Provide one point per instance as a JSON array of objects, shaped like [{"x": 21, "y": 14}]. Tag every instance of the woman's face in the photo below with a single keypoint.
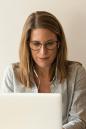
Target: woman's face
[{"x": 41, "y": 39}]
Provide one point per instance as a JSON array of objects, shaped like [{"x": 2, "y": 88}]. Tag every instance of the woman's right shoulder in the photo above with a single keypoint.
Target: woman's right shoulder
[
  {"x": 8, "y": 78},
  {"x": 9, "y": 72},
  {"x": 9, "y": 69}
]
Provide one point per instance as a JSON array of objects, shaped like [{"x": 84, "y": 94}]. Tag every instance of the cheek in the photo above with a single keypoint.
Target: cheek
[
  {"x": 33, "y": 53},
  {"x": 54, "y": 53}
]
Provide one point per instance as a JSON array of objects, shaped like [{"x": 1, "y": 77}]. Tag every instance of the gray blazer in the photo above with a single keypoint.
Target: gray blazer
[{"x": 73, "y": 91}]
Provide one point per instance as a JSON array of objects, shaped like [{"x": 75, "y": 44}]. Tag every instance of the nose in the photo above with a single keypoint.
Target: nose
[{"x": 43, "y": 50}]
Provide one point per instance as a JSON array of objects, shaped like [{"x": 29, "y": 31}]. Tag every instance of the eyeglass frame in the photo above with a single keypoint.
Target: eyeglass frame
[{"x": 44, "y": 44}]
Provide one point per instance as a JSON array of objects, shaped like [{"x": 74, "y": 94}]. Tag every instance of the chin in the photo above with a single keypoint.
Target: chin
[{"x": 43, "y": 65}]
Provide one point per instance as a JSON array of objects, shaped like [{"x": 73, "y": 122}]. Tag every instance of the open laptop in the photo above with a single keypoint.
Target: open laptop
[{"x": 30, "y": 111}]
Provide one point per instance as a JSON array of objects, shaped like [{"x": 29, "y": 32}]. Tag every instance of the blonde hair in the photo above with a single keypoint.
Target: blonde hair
[{"x": 40, "y": 19}]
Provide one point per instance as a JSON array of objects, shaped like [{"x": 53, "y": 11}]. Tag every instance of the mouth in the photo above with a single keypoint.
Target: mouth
[{"x": 44, "y": 58}]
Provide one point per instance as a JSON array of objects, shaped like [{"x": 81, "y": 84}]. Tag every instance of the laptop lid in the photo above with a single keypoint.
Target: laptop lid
[{"x": 30, "y": 111}]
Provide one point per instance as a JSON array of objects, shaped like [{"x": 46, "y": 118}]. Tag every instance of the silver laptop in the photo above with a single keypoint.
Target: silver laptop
[{"x": 30, "y": 111}]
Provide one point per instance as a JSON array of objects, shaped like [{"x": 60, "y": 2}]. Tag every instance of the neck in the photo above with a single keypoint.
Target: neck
[{"x": 43, "y": 72}]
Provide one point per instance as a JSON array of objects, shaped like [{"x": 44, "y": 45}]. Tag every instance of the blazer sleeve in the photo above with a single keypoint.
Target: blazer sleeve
[
  {"x": 77, "y": 113},
  {"x": 7, "y": 80}
]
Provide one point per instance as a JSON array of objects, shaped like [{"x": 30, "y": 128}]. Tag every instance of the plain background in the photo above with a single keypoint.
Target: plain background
[{"x": 13, "y": 14}]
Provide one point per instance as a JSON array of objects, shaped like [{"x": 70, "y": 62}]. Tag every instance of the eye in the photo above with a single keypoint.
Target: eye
[
  {"x": 49, "y": 43},
  {"x": 35, "y": 43}
]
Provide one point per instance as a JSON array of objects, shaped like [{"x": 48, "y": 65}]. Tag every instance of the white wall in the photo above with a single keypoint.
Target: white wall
[{"x": 13, "y": 13}]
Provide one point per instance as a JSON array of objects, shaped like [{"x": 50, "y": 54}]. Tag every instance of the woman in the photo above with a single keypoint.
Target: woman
[{"x": 44, "y": 67}]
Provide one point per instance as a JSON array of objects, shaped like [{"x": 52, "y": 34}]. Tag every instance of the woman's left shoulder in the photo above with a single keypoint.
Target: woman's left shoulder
[
  {"x": 73, "y": 65},
  {"x": 76, "y": 69}
]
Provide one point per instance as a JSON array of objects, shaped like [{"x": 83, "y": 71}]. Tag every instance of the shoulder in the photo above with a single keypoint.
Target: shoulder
[
  {"x": 7, "y": 82},
  {"x": 76, "y": 70},
  {"x": 73, "y": 63},
  {"x": 74, "y": 66},
  {"x": 9, "y": 70}
]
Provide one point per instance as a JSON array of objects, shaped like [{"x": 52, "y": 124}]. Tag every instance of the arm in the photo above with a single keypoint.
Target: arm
[
  {"x": 77, "y": 113},
  {"x": 7, "y": 80}
]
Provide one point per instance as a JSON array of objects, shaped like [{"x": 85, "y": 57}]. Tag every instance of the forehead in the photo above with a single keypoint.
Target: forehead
[{"x": 42, "y": 34}]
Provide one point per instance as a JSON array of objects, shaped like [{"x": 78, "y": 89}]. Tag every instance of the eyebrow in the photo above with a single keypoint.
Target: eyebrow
[{"x": 44, "y": 41}]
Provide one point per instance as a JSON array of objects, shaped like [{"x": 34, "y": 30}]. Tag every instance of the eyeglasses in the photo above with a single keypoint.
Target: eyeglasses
[{"x": 36, "y": 45}]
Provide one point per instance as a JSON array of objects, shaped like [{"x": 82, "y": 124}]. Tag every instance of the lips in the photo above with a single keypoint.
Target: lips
[{"x": 44, "y": 58}]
